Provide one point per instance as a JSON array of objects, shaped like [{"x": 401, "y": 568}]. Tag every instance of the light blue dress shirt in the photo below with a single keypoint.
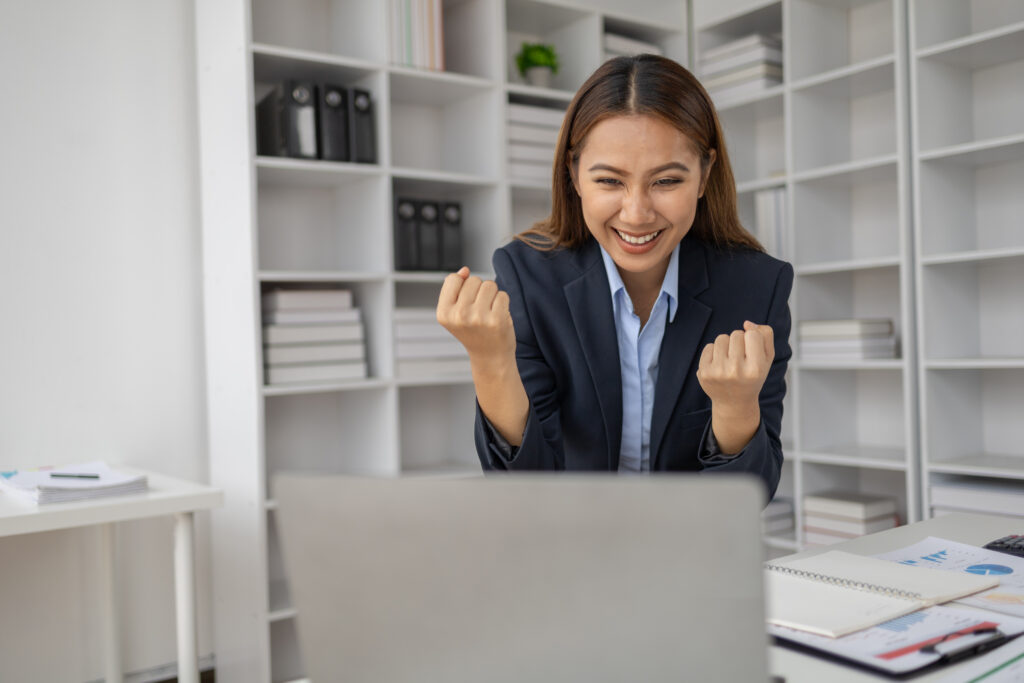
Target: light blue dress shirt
[{"x": 638, "y": 358}]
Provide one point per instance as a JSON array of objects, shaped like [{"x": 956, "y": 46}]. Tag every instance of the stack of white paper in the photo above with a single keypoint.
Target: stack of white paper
[{"x": 71, "y": 482}]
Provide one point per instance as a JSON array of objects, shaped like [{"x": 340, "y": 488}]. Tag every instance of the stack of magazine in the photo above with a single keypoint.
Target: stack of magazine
[
  {"x": 741, "y": 68},
  {"x": 71, "y": 482}
]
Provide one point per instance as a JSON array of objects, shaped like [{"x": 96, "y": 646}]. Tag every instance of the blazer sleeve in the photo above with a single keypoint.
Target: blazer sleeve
[
  {"x": 763, "y": 454},
  {"x": 541, "y": 446}
]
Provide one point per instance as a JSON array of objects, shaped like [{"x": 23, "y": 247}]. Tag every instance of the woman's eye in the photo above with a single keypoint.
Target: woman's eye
[
  {"x": 607, "y": 181},
  {"x": 668, "y": 181}
]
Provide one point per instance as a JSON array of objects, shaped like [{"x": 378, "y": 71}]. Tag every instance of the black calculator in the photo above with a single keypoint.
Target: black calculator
[{"x": 1012, "y": 545}]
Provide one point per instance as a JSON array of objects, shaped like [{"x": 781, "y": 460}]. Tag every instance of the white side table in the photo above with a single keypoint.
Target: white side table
[{"x": 166, "y": 496}]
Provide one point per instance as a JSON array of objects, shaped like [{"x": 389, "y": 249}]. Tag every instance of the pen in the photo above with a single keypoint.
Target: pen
[{"x": 68, "y": 475}]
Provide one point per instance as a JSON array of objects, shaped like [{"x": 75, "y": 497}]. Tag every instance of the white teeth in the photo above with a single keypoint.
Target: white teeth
[{"x": 638, "y": 240}]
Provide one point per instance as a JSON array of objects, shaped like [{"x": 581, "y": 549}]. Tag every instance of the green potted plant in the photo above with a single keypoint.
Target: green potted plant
[{"x": 536, "y": 63}]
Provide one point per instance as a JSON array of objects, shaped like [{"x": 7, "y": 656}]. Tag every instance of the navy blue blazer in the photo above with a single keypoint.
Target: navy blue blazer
[{"x": 568, "y": 358}]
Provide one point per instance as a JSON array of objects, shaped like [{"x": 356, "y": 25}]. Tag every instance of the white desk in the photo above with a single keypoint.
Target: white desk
[
  {"x": 975, "y": 529},
  {"x": 166, "y": 496}
]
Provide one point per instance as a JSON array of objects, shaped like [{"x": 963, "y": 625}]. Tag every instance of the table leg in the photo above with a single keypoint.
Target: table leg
[
  {"x": 111, "y": 629},
  {"x": 185, "y": 598}
]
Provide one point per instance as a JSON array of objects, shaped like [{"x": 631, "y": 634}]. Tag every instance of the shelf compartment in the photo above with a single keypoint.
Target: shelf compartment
[
  {"x": 937, "y": 22},
  {"x": 867, "y": 293},
  {"x": 327, "y": 226},
  {"x": 574, "y": 32},
  {"x": 833, "y": 35},
  {"x": 279, "y": 602},
  {"x": 765, "y": 19},
  {"x": 480, "y": 204},
  {"x": 671, "y": 42},
  {"x": 972, "y": 421},
  {"x": 529, "y": 205},
  {"x": 470, "y": 29},
  {"x": 444, "y": 124},
  {"x": 849, "y": 119},
  {"x": 843, "y": 266},
  {"x": 437, "y": 428},
  {"x": 968, "y": 207},
  {"x": 819, "y": 478},
  {"x": 852, "y": 415},
  {"x": 848, "y": 217},
  {"x": 285, "y": 657},
  {"x": 965, "y": 95},
  {"x": 342, "y": 27},
  {"x": 372, "y": 298},
  {"x": 755, "y": 135},
  {"x": 974, "y": 310},
  {"x": 330, "y": 433}
]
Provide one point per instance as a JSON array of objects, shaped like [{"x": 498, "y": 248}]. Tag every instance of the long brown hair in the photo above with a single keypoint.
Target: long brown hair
[{"x": 656, "y": 86}]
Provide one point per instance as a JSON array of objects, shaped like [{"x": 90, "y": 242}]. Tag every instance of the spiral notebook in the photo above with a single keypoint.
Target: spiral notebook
[{"x": 836, "y": 593}]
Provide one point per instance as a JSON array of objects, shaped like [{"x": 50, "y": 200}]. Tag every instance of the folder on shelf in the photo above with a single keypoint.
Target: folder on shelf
[
  {"x": 286, "y": 121},
  {"x": 334, "y": 135},
  {"x": 407, "y": 244},
  {"x": 364, "y": 136},
  {"x": 428, "y": 233},
  {"x": 451, "y": 236}
]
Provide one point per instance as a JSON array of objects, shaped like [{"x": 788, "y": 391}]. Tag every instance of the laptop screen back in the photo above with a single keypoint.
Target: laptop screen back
[{"x": 525, "y": 578}]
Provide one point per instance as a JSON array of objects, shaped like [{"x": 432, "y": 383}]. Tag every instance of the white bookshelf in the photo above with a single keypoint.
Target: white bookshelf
[
  {"x": 275, "y": 221},
  {"x": 834, "y": 135},
  {"x": 967, "y": 76}
]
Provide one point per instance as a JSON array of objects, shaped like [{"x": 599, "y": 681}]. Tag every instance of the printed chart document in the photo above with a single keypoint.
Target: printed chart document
[
  {"x": 906, "y": 644},
  {"x": 938, "y": 553},
  {"x": 837, "y": 593}
]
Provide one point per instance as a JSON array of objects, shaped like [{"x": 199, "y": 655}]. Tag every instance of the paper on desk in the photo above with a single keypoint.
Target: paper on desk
[
  {"x": 1005, "y": 664},
  {"x": 938, "y": 553},
  {"x": 895, "y": 646}
]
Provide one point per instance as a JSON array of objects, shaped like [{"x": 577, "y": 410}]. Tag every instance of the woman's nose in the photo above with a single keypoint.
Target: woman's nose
[{"x": 636, "y": 208}]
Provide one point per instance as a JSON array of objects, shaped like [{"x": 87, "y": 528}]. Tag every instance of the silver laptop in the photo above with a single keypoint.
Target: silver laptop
[{"x": 525, "y": 578}]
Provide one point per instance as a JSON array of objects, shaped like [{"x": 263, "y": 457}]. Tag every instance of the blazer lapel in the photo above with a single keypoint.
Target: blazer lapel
[
  {"x": 679, "y": 348},
  {"x": 590, "y": 305}
]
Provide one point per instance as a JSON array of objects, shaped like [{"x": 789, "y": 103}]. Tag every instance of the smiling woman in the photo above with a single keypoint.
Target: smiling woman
[{"x": 639, "y": 327}]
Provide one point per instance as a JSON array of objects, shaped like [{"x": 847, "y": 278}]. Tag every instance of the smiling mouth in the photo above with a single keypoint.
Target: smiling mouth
[{"x": 637, "y": 240}]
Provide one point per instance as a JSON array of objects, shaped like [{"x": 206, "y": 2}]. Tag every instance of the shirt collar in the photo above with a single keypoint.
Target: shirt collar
[{"x": 669, "y": 286}]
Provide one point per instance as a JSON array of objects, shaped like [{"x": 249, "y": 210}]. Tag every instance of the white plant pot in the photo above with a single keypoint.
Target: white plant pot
[{"x": 539, "y": 76}]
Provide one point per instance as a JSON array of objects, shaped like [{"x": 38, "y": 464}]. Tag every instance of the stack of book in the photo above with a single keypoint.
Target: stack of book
[
  {"x": 977, "y": 494},
  {"x": 770, "y": 220},
  {"x": 741, "y": 67},
  {"x": 846, "y": 340},
  {"x": 777, "y": 516},
  {"x": 532, "y": 136},
  {"x": 834, "y": 516},
  {"x": 312, "y": 335},
  {"x": 425, "y": 349},
  {"x": 71, "y": 482},
  {"x": 417, "y": 33},
  {"x": 616, "y": 45}
]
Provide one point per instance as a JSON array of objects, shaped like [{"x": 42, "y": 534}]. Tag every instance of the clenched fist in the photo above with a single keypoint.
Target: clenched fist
[
  {"x": 733, "y": 369},
  {"x": 475, "y": 311}
]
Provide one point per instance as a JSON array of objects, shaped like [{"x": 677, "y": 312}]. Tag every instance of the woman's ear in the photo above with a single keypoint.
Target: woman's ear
[{"x": 706, "y": 172}]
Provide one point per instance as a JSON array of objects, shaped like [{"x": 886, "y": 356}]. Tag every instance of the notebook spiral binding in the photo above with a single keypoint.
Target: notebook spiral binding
[{"x": 848, "y": 583}]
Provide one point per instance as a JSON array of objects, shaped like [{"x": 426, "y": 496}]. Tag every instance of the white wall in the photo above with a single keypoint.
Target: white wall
[{"x": 100, "y": 308}]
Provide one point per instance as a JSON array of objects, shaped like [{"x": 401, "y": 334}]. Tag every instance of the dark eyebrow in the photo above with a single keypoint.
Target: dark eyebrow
[{"x": 672, "y": 164}]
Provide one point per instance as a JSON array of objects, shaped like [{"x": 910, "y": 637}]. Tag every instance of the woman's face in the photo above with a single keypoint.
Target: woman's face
[{"x": 639, "y": 179}]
